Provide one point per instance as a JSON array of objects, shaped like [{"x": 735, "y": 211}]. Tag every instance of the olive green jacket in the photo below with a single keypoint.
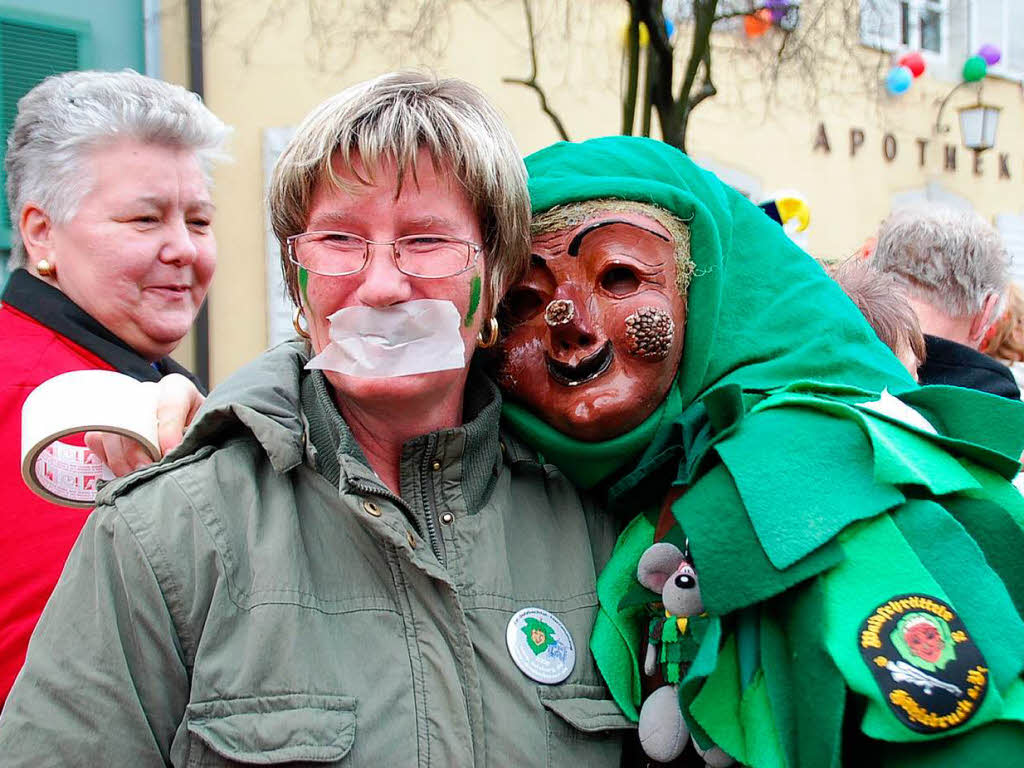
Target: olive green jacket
[{"x": 230, "y": 605}]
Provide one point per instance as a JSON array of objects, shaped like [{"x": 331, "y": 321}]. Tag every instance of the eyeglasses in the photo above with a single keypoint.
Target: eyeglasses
[{"x": 334, "y": 254}]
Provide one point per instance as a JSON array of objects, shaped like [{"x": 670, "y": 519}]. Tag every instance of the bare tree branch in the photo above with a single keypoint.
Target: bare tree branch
[
  {"x": 659, "y": 68},
  {"x": 632, "y": 73},
  {"x": 645, "y": 114},
  {"x": 531, "y": 81},
  {"x": 707, "y": 88}
]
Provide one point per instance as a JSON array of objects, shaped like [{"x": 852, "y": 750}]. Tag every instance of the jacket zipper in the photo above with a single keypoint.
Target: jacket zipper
[
  {"x": 379, "y": 490},
  {"x": 428, "y": 509}
]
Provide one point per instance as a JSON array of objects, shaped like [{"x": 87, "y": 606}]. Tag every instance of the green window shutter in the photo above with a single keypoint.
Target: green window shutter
[{"x": 29, "y": 53}]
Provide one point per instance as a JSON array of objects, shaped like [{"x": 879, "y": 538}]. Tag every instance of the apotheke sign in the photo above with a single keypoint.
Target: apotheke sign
[{"x": 929, "y": 152}]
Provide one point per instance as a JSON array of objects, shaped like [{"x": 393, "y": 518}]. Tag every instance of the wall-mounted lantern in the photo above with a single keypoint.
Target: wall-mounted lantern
[{"x": 978, "y": 124}]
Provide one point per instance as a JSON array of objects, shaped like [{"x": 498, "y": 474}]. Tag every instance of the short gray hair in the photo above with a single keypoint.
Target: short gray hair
[
  {"x": 391, "y": 118},
  {"x": 953, "y": 260},
  {"x": 68, "y": 115}
]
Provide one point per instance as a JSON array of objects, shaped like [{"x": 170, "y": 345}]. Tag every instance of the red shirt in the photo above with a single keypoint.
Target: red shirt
[{"x": 36, "y": 535}]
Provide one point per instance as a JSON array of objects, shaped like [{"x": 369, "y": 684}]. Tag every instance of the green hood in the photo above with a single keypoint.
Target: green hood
[{"x": 760, "y": 312}]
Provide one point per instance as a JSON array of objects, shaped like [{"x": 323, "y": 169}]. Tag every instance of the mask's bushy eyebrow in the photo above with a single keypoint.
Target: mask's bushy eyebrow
[{"x": 574, "y": 246}]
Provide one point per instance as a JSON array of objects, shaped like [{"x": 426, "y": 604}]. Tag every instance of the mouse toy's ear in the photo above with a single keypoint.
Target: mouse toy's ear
[{"x": 657, "y": 564}]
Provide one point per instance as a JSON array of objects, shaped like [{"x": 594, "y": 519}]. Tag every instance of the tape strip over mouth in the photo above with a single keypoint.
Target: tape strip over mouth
[
  {"x": 588, "y": 369},
  {"x": 413, "y": 337}
]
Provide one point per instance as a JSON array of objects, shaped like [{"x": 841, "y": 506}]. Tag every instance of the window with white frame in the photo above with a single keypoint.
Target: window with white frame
[
  {"x": 1000, "y": 23},
  {"x": 917, "y": 25}
]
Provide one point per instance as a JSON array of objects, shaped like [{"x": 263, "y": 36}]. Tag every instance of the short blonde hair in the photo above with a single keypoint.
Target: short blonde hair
[{"x": 391, "y": 118}]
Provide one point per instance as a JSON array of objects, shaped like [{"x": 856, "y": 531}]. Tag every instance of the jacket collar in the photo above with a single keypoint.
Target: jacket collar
[
  {"x": 52, "y": 308},
  {"x": 948, "y": 362},
  {"x": 261, "y": 398},
  {"x": 265, "y": 399},
  {"x": 472, "y": 450}
]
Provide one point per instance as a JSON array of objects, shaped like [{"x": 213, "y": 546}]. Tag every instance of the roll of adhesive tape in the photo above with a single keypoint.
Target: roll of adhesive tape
[{"x": 82, "y": 401}]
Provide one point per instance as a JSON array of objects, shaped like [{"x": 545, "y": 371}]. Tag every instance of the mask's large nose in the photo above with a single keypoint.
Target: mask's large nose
[{"x": 572, "y": 331}]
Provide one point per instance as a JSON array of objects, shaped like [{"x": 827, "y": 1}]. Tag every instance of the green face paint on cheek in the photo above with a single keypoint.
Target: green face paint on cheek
[
  {"x": 474, "y": 300},
  {"x": 303, "y": 282}
]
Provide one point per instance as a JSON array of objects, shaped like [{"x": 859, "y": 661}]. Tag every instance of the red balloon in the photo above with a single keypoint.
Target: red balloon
[
  {"x": 913, "y": 61},
  {"x": 757, "y": 24}
]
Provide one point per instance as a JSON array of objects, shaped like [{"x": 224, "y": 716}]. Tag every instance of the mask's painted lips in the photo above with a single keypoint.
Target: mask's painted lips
[{"x": 588, "y": 369}]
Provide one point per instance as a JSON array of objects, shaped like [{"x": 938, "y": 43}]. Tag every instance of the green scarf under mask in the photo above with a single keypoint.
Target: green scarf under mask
[{"x": 787, "y": 477}]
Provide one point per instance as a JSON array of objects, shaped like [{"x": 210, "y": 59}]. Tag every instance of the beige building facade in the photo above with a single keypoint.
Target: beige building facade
[{"x": 823, "y": 124}]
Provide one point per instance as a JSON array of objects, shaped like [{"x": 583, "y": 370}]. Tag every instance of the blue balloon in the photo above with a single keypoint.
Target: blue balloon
[{"x": 898, "y": 80}]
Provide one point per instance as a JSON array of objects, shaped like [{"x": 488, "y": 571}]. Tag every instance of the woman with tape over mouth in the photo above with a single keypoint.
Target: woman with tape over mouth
[
  {"x": 113, "y": 252},
  {"x": 346, "y": 559}
]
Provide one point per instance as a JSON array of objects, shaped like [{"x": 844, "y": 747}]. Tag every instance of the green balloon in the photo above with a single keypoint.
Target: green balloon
[{"x": 975, "y": 69}]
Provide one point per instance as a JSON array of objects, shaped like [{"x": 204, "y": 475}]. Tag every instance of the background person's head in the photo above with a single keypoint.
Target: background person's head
[
  {"x": 108, "y": 188},
  {"x": 954, "y": 265},
  {"x": 880, "y": 297},
  {"x": 405, "y": 154}
]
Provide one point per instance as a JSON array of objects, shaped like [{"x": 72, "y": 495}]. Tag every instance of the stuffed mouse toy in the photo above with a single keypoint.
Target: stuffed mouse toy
[{"x": 664, "y": 569}]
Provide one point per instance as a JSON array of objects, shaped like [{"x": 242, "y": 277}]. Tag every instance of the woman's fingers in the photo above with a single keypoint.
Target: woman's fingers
[
  {"x": 121, "y": 454},
  {"x": 176, "y": 406}
]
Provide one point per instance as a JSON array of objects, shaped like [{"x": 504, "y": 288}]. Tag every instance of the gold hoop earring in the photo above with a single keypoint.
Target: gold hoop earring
[
  {"x": 45, "y": 268},
  {"x": 492, "y": 335},
  {"x": 296, "y": 316}
]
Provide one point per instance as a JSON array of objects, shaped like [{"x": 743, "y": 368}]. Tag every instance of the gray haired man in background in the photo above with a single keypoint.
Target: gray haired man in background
[{"x": 955, "y": 269}]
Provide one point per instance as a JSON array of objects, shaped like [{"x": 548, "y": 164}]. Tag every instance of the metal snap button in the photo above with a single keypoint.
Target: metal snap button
[
  {"x": 371, "y": 508},
  {"x": 447, "y": 518},
  {"x": 437, "y": 466},
  {"x": 410, "y": 539}
]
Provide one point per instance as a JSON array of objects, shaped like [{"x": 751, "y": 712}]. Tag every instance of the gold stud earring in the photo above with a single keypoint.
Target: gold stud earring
[
  {"x": 492, "y": 335},
  {"x": 296, "y": 317},
  {"x": 45, "y": 268}
]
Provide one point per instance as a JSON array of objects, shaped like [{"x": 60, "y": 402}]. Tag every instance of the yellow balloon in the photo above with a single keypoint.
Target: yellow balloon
[{"x": 794, "y": 207}]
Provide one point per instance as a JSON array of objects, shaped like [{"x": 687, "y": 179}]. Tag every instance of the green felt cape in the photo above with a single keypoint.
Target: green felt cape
[{"x": 814, "y": 492}]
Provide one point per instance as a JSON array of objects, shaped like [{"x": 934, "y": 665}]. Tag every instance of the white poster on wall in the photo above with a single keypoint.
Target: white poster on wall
[{"x": 279, "y": 306}]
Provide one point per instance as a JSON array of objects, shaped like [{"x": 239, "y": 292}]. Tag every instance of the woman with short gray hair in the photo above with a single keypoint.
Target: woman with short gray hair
[{"x": 112, "y": 252}]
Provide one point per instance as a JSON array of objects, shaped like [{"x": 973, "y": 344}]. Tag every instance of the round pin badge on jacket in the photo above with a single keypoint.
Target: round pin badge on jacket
[{"x": 540, "y": 645}]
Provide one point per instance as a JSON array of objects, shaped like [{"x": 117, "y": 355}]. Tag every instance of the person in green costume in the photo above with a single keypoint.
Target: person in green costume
[{"x": 857, "y": 538}]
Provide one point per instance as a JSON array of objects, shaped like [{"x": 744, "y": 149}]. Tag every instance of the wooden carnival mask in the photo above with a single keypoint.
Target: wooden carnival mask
[{"x": 595, "y": 328}]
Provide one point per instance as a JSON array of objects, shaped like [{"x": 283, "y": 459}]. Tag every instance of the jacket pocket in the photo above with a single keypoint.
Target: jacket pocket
[
  {"x": 584, "y": 726},
  {"x": 269, "y": 730}
]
